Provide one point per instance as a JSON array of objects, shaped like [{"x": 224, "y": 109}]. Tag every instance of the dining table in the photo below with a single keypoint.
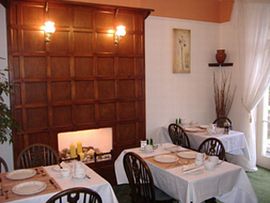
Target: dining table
[
  {"x": 184, "y": 181},
  {"x": 234, "y": 142},
  {"x": 40, "y": 183}
]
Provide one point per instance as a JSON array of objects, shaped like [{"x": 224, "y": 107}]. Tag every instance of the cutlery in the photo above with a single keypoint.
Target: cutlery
[
  {"x": 51, "y": 181},
  {"x": 6, "y": 194},
  {"x": 1, "y": 187},
  {"x": 193, "y": 169}
]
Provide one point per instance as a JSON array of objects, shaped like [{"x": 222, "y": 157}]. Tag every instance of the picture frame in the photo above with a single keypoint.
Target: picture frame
[{"x": 181, "y": 51}]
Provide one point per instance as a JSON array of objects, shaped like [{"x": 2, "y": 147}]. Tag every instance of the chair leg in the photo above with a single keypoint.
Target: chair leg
[{"x": 211, "y": 200}]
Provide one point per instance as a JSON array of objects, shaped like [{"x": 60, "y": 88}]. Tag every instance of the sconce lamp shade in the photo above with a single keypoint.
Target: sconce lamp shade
[
  {"x": 120, "y": 30},
  {"x": 49, "y": 29}
]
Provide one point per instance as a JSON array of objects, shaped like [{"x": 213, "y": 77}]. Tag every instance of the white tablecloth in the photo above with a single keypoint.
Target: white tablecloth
[
  {"x": 227, "y": 182},
  {"x": 235, "y": 144},
  {"x": 96, "y": 183}
]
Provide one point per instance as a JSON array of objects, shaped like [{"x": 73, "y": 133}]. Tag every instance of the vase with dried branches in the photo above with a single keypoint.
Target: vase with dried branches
[{"x": 223, "y": 93}]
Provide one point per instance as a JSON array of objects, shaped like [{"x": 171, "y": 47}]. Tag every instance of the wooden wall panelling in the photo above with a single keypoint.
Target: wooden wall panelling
[{"x": 79, "y": 80}]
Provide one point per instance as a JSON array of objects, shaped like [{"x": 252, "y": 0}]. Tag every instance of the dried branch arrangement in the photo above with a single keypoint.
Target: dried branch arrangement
[{"x": 223, "y": 93}]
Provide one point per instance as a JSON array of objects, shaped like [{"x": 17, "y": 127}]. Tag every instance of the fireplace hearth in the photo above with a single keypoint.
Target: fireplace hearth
[{"x": 93, "y": 145}]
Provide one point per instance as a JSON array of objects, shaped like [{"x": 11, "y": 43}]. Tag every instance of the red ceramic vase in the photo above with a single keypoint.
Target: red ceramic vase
[{"x": 221, "y": 55}]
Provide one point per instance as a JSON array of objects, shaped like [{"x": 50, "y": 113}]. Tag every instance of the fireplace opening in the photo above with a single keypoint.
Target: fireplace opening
[{"x": 93, "y": 145}]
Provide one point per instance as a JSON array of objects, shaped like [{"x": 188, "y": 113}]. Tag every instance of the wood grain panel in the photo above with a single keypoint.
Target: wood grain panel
[
  {"x": 105, "y": 43},
  {"x": 105, "y": 66},
  {"x": 127, "y": 19},
  {"x": 80, "y": 79},
  {"x": 62, "y": 116},
  {"x": 60, "y": 14},
  {"x": 139, "y": 67},
  {"x": 126, "y": 110},
  {"x": 61, "y": 91},
  {"x": 126, "y": 134},
  {"x": 106, "y": 89},
  {"x": 83, "y": 17},
  {"x": 84, "y": 113},
  {"x": 107, "y": 112},
  {"x": 17, "y": 94},
  {"x": 84, "y": 67},
  {"x": 126, "y": 45},
  {"x": 35, "y": 68},
  {"x": 83, "y": 43},
  {"x": 41, "y": 137},
  {"x": 84, "y": 90},
  {"x": 104, "y": 20},
  {"x": 125, "y": 67},
  {"x": 60, "y": 67},
  {"x": 33, "y": 41},
  {"x": 13, "y": 44},
  {"x": 126, "y": 89},
  {"x": 59, "y": 42},
  {"x": 32, "y": 14},
  {"x": 37, "y": 118},
  {"x": 16, "y": 68},
  {"x": 35, "y": 92}
]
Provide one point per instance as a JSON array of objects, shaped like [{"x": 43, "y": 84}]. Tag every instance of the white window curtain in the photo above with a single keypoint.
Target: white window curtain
[{"x": 254, "y": 60}]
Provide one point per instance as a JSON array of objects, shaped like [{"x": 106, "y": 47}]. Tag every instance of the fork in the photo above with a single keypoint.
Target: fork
[
  {"x": 1, "y": 191},
  {"x": 6, "y": 194}
]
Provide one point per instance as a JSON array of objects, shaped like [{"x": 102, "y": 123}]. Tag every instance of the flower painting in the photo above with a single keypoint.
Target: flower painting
[{"x": 181, "y": 43}]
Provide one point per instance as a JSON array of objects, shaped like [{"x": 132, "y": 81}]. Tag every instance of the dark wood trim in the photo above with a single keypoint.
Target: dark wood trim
[{"x": 219, "y": 64}]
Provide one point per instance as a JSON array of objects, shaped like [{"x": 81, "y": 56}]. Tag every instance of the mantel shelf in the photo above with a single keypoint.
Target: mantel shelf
[{"x": 219, "y": 64}]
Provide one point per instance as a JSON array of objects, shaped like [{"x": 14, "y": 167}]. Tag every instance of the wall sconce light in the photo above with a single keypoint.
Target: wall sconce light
[
  {"x": 120, "y": 32},
  {"x": 49, "y": 29}
]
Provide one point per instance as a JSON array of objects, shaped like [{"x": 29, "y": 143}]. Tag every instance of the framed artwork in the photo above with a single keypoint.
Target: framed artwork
[{"x": 181, "y": 51}]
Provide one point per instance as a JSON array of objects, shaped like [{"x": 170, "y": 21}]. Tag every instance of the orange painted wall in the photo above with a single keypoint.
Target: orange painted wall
[{"x": 203, "y": 10}]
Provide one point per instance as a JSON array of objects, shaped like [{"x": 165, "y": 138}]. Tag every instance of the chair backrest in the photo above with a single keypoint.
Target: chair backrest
[
  {"x": 139, "y": 177},
  {"x": 178, "y": 135},
  {"x": 3, "y": 165},
  {"x": 221, "y": 121},
  {"x": 37, "y": 155},
  {"x": 74, "y": 195},
  {"x": 213, "y": 147}
]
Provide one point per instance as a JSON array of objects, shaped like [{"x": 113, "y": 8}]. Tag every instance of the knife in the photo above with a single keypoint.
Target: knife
[
  {"x": 51, "y": 181},
  {"x": 1, "y": 191}
]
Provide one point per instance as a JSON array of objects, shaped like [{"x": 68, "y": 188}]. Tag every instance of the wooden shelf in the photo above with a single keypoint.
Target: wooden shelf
[{"x": 219, "y": 64}]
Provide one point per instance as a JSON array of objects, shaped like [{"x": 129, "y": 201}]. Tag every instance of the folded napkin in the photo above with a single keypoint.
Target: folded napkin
[{"x": 191, "y": 168}]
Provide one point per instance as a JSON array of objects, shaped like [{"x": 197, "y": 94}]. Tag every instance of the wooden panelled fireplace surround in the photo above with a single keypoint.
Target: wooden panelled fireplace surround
[{"x": 80, "y": 79}]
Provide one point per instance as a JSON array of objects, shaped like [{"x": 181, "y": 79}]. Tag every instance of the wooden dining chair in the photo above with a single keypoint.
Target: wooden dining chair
[
  {"x": 178, "y": 135},
  {"x": 37, "y": 155},
  {"x": 3, "y": 165},
  {"x": 213, "y": 147},
  {"x": 141, "y": 181},
  {"x": 74, "y": 195},
  {"x": 221, "y": 122}
]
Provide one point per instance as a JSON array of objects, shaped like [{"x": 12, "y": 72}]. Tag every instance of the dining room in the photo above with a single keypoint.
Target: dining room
[{"x": 83, "y": 76}]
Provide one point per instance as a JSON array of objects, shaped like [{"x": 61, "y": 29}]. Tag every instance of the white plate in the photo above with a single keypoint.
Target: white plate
[
  {"x": 166, "y": 158},
  {"x": 193, "y": 129},
  {"x": 187, "y": 154},
  {"x": 21, "y": 174},
  {"x": 204, "y": 126},
  {"x": 29, "y": 188}
]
